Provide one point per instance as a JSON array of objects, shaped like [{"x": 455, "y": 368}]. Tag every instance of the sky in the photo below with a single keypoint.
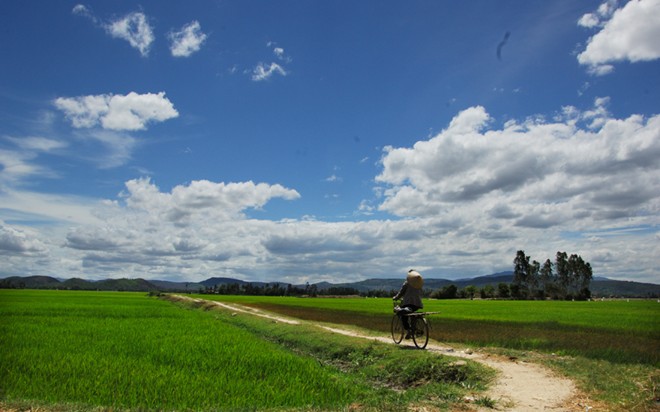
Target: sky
[{"x": 307, "y": 141}]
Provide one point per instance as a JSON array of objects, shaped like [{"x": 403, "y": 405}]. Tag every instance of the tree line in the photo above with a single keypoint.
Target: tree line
[
  {"x": 277, "y": 289},
  {"x": 568, "y": 277}
]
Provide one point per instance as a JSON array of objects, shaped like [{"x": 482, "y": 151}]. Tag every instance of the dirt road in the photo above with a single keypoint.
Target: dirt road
[{"x": 519, "y": 386}]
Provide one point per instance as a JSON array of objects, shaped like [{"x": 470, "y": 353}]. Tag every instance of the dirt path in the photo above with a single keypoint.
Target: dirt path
[{"x": 519, "y": 386}]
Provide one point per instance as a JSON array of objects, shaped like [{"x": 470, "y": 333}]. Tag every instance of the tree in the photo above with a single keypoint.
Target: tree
[
  {"x": 563, "y": 275},
  {"x": 450, "y": 291},
  {"x": 514, "y": 290},
  {"x": 580, "y": 275},
  {"x": 533, "y": 279},
  {"x": 470, "y": 291},
  {"x": 521, "y": 273},
  {"x": 487, "y": 292},
  {"x": 546, "y": 276},
  {"x": 586, "y": 277},
  {"x": 503, "y": 290},
  {"x": 447, "y": 292}
]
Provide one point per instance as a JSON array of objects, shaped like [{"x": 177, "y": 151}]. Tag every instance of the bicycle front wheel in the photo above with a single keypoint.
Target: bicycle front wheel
[
  {"x": 397, "y": 329},
  {"x": 421, "y": 332}
]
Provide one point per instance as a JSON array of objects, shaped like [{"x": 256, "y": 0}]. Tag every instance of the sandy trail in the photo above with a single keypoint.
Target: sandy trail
[{"x": 519, "y": 386}]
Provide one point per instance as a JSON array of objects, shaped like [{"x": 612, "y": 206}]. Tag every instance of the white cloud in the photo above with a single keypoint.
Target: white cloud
[
  {"x": 20, "y": 163},
  {"x": 559, "y": 166},
  {"x": 468, "y": 198},
  {"x": 54, "y": 209},
  {"x": 37, "y": 143},
  {"x": 281, "y": 55},
  {"x": 200, "y": 229},
  {"x": 15, "y": 241},
  {"x": 117, "y": 148},
  {"x": 135, "y": 29},
  {"x": 627, "y": 34},
  {"x": 187, "y": 41},
  {"x": 117, "y": 112},
  {"x": 82, "y": 10},
  {"x": 17, "y": 165},
  {"x": 589, "y": 20},
  {"x": 600, "y": 16},
  {"x": 197, "y": 225},
  {"x": 262, "y": 72},
  {"x": 202, "y": 198},
  {"x": 600, "y": 70}
]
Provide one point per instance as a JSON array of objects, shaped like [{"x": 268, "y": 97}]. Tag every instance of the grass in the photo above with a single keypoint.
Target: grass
[
  {"x": 625, "y": 387},
  {"x": 609, "y": 348},
  {"x": 129, "y": 352},
  {"x": 616, "y": 331},
  {"x": 397, "y": 376},
  {"x": 124, "y": 351}
]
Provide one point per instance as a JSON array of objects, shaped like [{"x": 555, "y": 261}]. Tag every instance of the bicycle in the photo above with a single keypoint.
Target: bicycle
[{"x": 419, "y": 327}]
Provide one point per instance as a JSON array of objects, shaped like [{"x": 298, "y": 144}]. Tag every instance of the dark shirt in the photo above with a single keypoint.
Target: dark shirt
[{"x": 410, "y": 295}]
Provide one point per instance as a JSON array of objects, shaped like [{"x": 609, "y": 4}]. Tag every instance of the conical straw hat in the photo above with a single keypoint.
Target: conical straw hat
[{"x": 415, "y": 279}]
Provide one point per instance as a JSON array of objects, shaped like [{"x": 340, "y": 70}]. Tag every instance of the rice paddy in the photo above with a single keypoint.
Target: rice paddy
[
  {"x": 616, "y": 331},
  {"x": 67, "y": 350}
]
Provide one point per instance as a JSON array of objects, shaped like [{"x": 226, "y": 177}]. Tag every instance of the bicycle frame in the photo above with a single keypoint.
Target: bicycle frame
[{"x": 419, "y": 327}]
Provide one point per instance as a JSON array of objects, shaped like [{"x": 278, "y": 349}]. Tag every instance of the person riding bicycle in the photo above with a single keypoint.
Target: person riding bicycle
[{"x": 411, "y": 293}]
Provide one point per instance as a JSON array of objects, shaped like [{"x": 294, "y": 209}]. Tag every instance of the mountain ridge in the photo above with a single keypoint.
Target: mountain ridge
[{"x": 601, "y": 287}]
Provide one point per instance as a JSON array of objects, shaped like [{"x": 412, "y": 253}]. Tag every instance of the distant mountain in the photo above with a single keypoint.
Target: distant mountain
[
  {"x": 622, "y": 288},
  {"x": 382, "y": 284},
  {"x": 210, "y": 282},
  {"x": 165, "y": 285},
  {"x": 76, "y": 284},
  {"x": 30, "y": 282},
  {"x": 47, "y": 282},
  {"x": 600, "y": 287},
  {"x": 138, "y": 285}
]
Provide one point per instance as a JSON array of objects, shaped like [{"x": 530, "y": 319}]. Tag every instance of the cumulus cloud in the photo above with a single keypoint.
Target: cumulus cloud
[
  {"x": 202, "y": 228},
  {"x": 202, "y": 198},
  {"x": 14, "y": 241},
  {"x": 599, "y": 17},
  {"x": 628, "y": 33},
  {"x": 135, "y": 29},
  {"x": 187, "y": 41},
  {"x": 117, "y": 112},
  {"x": 197, "y": 225},
  {"x": 584, "y": 167}
]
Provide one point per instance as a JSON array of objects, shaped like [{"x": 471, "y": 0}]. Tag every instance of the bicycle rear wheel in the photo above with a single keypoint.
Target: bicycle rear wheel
[
  {"x": 421, "y": 332},
  {"x": 397, "y": 329}
]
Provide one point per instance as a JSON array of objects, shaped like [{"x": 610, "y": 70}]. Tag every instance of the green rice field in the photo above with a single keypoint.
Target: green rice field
[
  {"x": 68, "y": 350},
  {"x": 609, "y": 348},
  {"x": 79, "y": 351},
  {"x": 617, "y": 331}
]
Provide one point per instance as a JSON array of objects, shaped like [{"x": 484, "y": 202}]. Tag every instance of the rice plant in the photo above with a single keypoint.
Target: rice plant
[{"x": 126, "y": 351}]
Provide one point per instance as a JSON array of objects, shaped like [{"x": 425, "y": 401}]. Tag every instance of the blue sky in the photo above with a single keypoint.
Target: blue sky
[{"x": 327, "y": 141}]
